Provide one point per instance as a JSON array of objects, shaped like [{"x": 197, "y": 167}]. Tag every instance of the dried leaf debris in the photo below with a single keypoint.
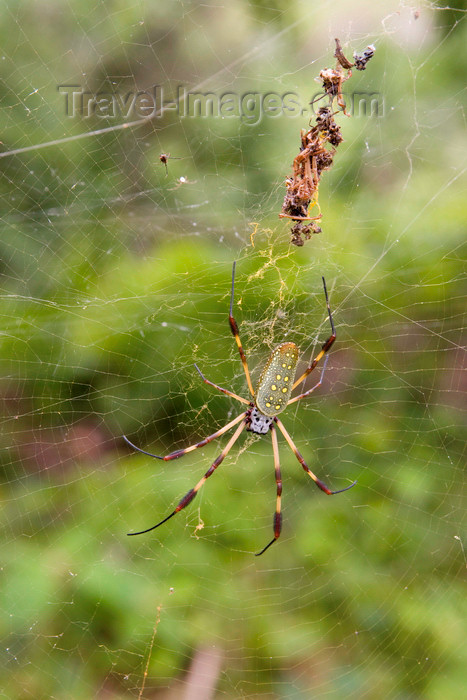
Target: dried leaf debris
[{"x": 317, "y": 148}]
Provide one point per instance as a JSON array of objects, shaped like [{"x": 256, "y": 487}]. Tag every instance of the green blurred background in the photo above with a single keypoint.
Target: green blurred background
[{"x": 116, "y": 279}]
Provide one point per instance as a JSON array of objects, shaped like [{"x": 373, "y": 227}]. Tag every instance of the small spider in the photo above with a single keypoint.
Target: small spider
[
  {"x": 181, "y": 181},
  {"x": 164, "y": 159},
  {"x": 272, "y": 396}
]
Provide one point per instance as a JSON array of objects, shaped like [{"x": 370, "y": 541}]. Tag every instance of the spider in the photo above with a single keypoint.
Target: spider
[
  {"x": 164, "y": 159},
  {"x": 272, "y": 396}
]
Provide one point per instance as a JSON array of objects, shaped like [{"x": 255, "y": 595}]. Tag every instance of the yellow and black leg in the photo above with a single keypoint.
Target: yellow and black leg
[
  {"x": 297, "y": 454},
  {"x": 219, "y": 388},
  {"x": 310, "y": 391},
  {"x": 192, "y": 493},
  {"x": 324, "y": 348},
  {"x": 234, "y": 329},
  {"x": 277, "y": 523},
  {"x": 185, "y": 450}
]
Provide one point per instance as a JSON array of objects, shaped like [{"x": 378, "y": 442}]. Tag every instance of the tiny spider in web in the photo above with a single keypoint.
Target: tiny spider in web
[
  {"x": 164, "y": 159},
  {"x": 272, "y": 396}
]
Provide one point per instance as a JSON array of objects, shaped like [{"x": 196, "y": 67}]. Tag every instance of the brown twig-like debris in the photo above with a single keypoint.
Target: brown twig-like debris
[{"x": 317, "y": 148}]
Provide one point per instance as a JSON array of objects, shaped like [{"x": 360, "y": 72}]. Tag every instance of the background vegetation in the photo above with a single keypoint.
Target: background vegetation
[{"x": 115, "y": 279}]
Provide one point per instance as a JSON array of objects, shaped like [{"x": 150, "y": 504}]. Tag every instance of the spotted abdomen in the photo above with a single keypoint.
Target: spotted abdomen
[{"x": 277, "y": 378}]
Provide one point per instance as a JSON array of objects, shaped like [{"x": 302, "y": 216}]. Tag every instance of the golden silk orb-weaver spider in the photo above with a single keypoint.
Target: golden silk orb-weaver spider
[{"x": 272, "y": 396}]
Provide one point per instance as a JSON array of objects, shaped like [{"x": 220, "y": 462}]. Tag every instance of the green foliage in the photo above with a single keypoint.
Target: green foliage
[{"x": 113, "y": 285}]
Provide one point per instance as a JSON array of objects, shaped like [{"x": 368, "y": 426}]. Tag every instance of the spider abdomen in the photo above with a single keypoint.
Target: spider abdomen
[{"x": 277, "y": 378}]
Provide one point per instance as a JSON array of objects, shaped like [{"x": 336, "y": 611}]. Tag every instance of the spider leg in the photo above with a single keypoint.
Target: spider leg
[
  {"x": 326, "y": 345},
  {"x": 219, "y": 388},
  {"x": 297, "y": 454},
  {"x": 234, "y": 329},
  {"x": 310, "y": 391},
  {"x": 180, "y": 453},
  {"x": 192, "y": 493},
  {"x": 277, "y": 523}
]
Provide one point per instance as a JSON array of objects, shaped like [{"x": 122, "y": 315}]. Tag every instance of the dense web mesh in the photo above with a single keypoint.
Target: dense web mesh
[{"x": 116, "y": 270}]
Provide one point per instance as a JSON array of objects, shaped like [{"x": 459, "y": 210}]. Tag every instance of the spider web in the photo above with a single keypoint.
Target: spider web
[{"x": 116, "y": 279}]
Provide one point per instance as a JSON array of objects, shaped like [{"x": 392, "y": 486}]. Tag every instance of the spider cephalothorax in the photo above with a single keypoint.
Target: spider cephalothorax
[
  {"x": 271, "y": 397},
  {"x": 257, "y": 422}
]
